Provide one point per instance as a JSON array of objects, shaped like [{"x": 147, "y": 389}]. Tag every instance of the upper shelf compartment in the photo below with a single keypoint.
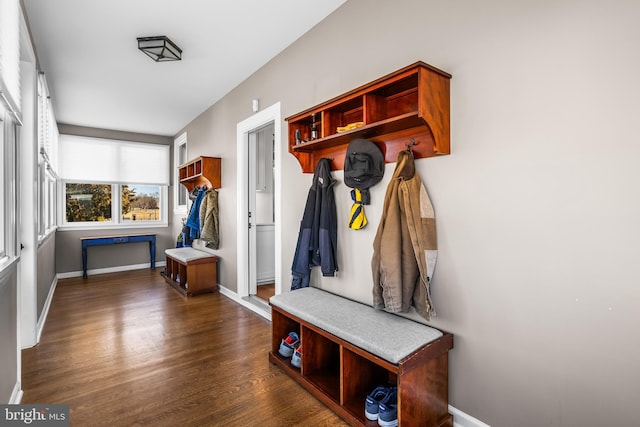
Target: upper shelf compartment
[
  {"x": 409, "y": 104},
  {"x": 201, "y": 172}
]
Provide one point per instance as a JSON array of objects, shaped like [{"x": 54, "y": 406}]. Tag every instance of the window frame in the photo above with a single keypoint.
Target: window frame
[
  {"x": 9, "y": 250},
  {"x": 179, "y": 143},
  {"x": 3, "y": 180},
  {"x": 47, "y": 202},
  {"x": 116, "y": 211}
]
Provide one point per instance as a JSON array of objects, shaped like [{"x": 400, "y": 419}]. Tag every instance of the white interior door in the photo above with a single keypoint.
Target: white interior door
[
  {"x": 28, "y": 197},
  {"x": 250, "y": 198},
  {"x": 261, "y": 203},
  {"x": 252, "y": 139}
]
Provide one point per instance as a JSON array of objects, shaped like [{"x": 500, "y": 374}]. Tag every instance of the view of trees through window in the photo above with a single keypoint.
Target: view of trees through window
[
  {"x": 140, "y": 202},
  {"x": 88, "y": 202},
  {"x": 93, "y": 202}
]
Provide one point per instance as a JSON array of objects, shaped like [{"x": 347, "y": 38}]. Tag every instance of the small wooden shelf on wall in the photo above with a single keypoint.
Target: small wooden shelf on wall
[
  {"x": 409, "y": 105},
  {"x": 201, "y": 171}
]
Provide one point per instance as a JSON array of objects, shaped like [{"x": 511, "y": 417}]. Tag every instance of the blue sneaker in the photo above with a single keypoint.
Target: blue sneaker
[
  {"x": 289, "y": 344},
  {"x": 388, "y": 409},
  {"x": 296, "y": 359},
  {"x": 373, "y": 401}
]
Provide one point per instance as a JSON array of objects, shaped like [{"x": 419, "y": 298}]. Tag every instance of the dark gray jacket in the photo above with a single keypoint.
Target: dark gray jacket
[{"x": 318, "y": 236}]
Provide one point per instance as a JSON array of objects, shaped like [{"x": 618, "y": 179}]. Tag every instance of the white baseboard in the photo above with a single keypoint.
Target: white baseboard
[
  {"x": 45, "y": 310},
  {"x": 16, "y": 395},
  {"x": 235, "y": 297},
  {"x": 460, "y": 419},
  {"x": 110, "y": 270}
]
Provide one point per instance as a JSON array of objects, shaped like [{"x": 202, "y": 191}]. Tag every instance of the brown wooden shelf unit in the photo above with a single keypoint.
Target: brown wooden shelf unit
[
  {"x": 340, "y": 374},
  {"x": 188, "y": 270},
  {"x": 411, "y": 104},
  {"x": 201, "y": 171}
]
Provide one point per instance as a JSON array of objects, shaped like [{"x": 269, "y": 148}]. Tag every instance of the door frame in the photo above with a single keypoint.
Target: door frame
[
  {"x": 269, "y": 114},
  {"x": 27, "y": 176}
]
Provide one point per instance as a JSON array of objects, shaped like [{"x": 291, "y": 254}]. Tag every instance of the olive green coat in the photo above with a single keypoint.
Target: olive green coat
[{"x": 210, "y": 230}]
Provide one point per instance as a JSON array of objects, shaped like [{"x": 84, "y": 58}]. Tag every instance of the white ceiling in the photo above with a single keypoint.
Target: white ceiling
[{"x": 98, "y": 78}]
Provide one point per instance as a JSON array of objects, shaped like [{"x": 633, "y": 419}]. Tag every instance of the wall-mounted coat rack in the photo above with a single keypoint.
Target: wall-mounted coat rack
[
  {"x": 409, "y": 104},
  {"x": 201, "y": 172}
]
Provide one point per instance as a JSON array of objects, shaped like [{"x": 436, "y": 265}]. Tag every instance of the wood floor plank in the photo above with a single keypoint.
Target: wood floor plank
[
  {"x": 125, "y": 349},
  {"x": 266, "y": 291}
]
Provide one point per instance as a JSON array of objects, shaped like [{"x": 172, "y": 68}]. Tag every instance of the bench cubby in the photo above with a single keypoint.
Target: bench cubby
[
  {"x": 322, "y": 366},
  {"x": 348, "y": 349}
]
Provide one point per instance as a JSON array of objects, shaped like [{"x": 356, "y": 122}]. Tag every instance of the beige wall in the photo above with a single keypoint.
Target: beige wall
[
  {"x": 8, "y": 333},
  {"x": 537, "y": 206},
  {"x": 46, "y": 273}
]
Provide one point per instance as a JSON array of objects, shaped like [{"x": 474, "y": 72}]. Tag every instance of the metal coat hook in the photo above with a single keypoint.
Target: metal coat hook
[{"x": 411, "y": 143}]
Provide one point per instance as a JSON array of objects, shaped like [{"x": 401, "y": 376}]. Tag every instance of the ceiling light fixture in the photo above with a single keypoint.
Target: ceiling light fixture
[{"x": 160, "y": 48}]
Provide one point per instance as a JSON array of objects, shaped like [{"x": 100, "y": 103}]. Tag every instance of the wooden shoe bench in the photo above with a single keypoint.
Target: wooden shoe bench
[
  {"x": 191, "y": 271},
  {"x": 348, "y": 349}
]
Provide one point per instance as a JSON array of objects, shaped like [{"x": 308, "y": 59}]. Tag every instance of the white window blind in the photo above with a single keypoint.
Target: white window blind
[
  {"x": 10, "y": 53},
  {"x": 97, "y": 160},
  {"x": 47, "y": 129}
]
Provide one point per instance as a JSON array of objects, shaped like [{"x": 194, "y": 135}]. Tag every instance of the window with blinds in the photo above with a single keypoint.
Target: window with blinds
[
  {"x": 110, "y": 183},
  {"x": 47, "y": 161},
  {"x": 10, "y": 54}
]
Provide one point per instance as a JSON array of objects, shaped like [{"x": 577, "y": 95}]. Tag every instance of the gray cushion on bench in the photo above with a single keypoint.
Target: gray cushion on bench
[
  {"x": 186, "y": 254},
  {"x": 385, "y": 335}
]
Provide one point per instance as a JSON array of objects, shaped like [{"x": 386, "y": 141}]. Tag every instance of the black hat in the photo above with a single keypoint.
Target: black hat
[{"x": 363, "y": 166}]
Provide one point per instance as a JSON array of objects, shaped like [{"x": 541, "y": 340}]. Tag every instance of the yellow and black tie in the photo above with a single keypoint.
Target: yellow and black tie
[{"x": 357, "y": 220}]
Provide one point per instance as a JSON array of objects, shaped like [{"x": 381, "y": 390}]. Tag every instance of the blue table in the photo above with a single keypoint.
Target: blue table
[{"x": 112, "y": 240}]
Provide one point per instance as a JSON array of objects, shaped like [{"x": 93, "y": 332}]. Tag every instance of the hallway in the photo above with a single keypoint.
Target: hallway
[{"x": 125, "y": 349}]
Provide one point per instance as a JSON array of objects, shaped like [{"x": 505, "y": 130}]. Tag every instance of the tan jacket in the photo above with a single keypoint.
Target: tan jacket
[
  {"x": 209, "y": 219},
  {"x": 405, "y": 247}
]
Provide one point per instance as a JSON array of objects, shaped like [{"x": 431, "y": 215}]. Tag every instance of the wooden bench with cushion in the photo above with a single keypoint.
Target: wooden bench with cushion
[
  {"x": 349, "y": 348},
  {"x": 191, "y": 271}
]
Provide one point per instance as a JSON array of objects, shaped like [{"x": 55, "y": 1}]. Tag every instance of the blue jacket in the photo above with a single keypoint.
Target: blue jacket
[
  {"x": 318, "y": 236},
  {"x": 193, "y": 220}
]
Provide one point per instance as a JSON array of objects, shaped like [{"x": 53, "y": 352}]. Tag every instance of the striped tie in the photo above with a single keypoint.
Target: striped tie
[{"x": 357, "y": 220}]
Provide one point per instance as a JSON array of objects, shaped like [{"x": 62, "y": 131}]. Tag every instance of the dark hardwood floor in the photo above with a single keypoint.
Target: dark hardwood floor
[
  {"x": 125, "y": 349},
  {"x": 266, "y": 291}
]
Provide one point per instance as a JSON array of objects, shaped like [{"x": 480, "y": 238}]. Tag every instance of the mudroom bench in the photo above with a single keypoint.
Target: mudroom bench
[
  {"x": 191, "y": 271},
  {"x": 349, "y": 348}
]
